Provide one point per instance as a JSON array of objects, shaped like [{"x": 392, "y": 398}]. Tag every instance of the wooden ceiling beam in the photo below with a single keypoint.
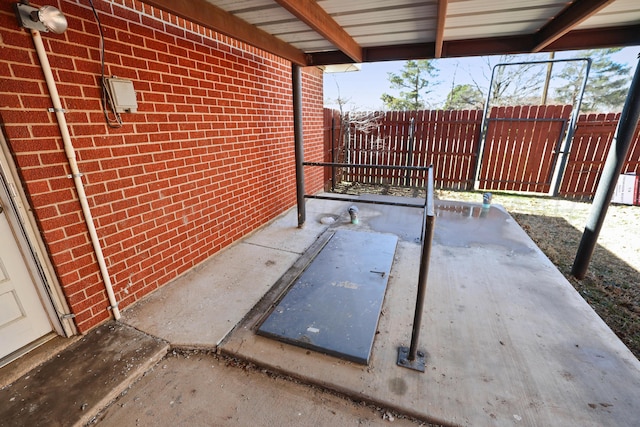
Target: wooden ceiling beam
[
  {"x": 568, "y": 19},
  {"x": 598, "y": 38},
  {"x": 321, "y": 22},
  {"x": 204, "y": 13},
  {"x": 487, "y": 46},
  {"x": 441, "y": 20},
  {"x": 575, "y": 40}
]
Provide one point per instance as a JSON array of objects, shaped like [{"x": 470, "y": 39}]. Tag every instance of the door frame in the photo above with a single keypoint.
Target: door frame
[{"x": 27, "y": 235}]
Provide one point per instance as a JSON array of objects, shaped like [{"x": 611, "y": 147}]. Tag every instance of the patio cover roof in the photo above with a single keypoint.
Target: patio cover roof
[{"x": 323, "y": 32}]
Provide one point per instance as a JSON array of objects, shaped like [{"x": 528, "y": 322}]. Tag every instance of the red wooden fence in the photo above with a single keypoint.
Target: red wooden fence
[
  {"x": 589, "y": 150},
  {"x": 333, "y": 136},
  {"x": 521, "y": 145},
  {"x": 445, "y": 139},
  {"x": 519, "y": 152}
]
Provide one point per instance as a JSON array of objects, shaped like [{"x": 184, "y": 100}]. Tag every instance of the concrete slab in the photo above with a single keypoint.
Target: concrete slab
[
  {"x": 283, "y": 233},
  {"x": 36, "y": 357},
  {"x": 197, "y": 310},
  {"x": 202, "y": 390},
  {"x": 70, "y": 388},
  {"x": 508, "y": 340}
]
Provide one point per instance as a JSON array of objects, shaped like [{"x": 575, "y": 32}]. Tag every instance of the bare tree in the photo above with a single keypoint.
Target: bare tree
[{"x": 514, "y": 80}]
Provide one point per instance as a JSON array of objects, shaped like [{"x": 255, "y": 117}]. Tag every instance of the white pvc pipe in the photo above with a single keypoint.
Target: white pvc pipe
[{"x": 75, "y": 172}]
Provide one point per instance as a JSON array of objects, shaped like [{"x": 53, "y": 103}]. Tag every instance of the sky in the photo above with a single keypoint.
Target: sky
[{"x": 362, "y": 89}]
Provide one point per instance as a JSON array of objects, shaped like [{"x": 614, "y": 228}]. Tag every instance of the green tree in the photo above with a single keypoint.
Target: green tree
[
  {"x": 464, "y": 97},
  {"x": 413, "y": 82},
  {"x": 607, "y": 83}
]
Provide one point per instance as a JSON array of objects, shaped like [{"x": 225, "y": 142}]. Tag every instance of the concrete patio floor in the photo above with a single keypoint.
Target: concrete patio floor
[{"x": 508, "y": 340}]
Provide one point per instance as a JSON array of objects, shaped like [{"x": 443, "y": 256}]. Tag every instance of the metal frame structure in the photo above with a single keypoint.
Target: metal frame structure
[
  {"x": 408, "y": 357},
  {"x": 564, "y": 145}
]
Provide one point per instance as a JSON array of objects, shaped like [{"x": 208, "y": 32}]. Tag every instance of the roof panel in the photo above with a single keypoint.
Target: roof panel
[
  {"x": 507, "y": 15},
  {"x": 269, "y": 16},
  {"x": 491, "y": 30},
  {"x": 281, "y": 28},
  {"x": 394, "y": 33},
  {"x": 303, "y": 36},
  {"x": 621, "y": 12},
  {"x": 415, "y": 16},
  {"x": 470, "y": 27},
  {"x": 388, "y": 30},
  {"x": 474, "y": 7},
  {"x": 400, "y": 38},
  {"x": 341, "y": 7},
  {"x": 234, "y": 6},
  {"x": 496, "y": 23}
]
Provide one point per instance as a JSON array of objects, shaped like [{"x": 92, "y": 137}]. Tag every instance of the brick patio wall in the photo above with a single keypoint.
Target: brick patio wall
[{"x": 207, "y": 158}]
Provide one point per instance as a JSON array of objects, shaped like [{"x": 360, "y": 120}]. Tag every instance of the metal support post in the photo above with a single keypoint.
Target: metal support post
[
  {"x": 610, "y": 173},
  {"x": 410, "y": 357},
  {"x": 296, "y": 79},
  {"x": 410, "y": 138},
  {"x": 333, "y": 152}
]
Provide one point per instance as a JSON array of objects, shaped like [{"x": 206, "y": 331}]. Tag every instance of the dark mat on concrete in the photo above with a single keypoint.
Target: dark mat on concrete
[
  {"x": 72, "y": 387},
  {"x": 333, "y": 307}
]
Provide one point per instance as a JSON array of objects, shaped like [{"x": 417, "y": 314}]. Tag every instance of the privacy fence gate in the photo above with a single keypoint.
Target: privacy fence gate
[{"x": 521, "y": 149}]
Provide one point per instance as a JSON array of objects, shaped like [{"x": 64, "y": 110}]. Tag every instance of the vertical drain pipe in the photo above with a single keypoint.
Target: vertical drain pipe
[
  {"x": 296, "y": 80},
  {"x": 73, "y": 165},
  {"x": 610, "y": 173}
]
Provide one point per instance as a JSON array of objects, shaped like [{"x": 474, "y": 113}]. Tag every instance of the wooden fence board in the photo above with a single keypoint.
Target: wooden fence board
[
  {"x": 589, "y": 150},
  {"x": 520, "y": 146},
  {"x": 519, "y": 151}
]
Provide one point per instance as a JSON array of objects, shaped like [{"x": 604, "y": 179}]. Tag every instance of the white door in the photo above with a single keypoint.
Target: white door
[{"x": 23, "y": 318}]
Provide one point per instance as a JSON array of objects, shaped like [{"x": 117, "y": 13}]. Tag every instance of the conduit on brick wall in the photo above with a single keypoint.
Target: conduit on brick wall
[{"x": 75, "y": 171}]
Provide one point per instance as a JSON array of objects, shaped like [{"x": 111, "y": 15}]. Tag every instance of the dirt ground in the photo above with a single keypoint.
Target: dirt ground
[{"x": 612, "y": 283}]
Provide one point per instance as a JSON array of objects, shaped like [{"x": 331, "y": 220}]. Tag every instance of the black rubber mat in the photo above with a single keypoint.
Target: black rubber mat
[{"x": 334, "y": 305}]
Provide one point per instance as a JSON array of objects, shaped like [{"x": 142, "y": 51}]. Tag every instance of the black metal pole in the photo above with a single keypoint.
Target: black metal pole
[
  {"x": 412, "y": 126},
  {"x": 610, "y": 173},
  {"x": 410, "y": 357},
  {"x": 422, "y": 287},
  {"x": 333, "y": 152},
  {"x": 296, "y": 79}
]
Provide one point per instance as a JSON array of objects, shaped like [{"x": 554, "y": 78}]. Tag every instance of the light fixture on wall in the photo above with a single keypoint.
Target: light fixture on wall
[{"x": 46, "y": 18}]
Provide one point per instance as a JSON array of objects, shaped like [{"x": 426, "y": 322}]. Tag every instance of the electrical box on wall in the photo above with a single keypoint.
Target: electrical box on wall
[{"x": 122, "y": 95}]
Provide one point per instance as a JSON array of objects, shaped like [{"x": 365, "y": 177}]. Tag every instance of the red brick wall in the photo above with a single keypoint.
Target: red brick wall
[
  {"x": 313, "y": 119},
  {"x": 207, "y": 158}
]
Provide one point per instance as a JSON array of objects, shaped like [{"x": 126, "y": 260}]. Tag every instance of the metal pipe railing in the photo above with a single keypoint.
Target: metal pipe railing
[
  {"x": 408, "y": 357},
  {"x": 411, "y": 357},
  {"x": 370, "y": 202},
  {"x": 358, "y": 165}
]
